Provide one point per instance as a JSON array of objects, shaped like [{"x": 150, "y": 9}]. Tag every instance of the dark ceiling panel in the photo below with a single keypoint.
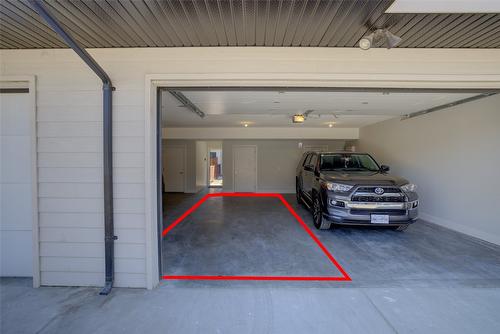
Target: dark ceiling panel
[{"x": 178, "y": 23}]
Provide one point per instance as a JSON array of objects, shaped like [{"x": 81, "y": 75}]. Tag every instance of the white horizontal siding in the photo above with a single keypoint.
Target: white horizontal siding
[
  {"x": 91, "y": 220},
  {"x": 92, "y": 175},
  {"x": 96, "y": 249},
  {"x": 90, "y": 190},
  {"x": 88, "y": 159}
]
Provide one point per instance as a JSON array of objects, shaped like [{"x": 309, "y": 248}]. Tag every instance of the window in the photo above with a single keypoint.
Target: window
[{"x": 351, "y": 162}]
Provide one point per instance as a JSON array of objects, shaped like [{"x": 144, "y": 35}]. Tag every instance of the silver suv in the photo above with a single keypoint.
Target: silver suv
[{"x": 353, "y": 189}]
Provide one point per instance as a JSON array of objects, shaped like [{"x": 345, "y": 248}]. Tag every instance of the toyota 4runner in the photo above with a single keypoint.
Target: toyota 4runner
[{"x": 353, "y": 189}]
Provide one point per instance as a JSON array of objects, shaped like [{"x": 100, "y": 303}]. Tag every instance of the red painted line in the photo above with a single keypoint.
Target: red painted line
[
  {"x": 254, "y": 278},
  {"x": 344, "y": 277},
  {"x": 315, "y": 238}
]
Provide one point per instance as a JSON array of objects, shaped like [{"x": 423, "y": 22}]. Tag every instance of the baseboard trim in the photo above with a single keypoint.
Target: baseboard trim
[{"x": 494, "y": 239}]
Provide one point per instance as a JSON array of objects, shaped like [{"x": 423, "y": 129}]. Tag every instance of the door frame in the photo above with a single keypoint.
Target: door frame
[
  {"x": 184, "y": 147},
  {"x": 31, "y": 80},
  {"x": 234, "y": 147}
]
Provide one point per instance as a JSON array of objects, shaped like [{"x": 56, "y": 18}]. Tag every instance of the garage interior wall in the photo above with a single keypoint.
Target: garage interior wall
[
  {"x": 453, "y": 156},
  {"x": 201, "y": 164},
  {"x": 276, "y": 162},
  {"x": 69, "y": 109}
]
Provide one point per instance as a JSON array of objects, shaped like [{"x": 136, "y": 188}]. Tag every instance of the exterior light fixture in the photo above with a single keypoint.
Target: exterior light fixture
[
  {"x": 330, "y": 125},
  {"x": 298, "y": 118},
  {"x": 378, "y": 38},
  {"x": 245, "y": 125}
]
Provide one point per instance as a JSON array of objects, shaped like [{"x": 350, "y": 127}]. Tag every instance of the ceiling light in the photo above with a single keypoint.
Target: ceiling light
[
  {"x": 379, "y": 38},
  {"x": 366, "y": 42},
  {"x": 298, "y": 118}
]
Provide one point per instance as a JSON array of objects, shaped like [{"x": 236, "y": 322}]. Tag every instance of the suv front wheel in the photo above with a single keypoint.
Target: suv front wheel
[{"x": 319, "y": 222}]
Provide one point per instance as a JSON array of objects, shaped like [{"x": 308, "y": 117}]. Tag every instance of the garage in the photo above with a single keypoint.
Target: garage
[
  {"x": 249, "y": 166},
  {"x": 242, "y": 238}
]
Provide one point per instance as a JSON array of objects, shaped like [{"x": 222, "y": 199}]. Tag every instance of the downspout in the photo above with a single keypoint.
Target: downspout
[{"x": 107, "y": 89}]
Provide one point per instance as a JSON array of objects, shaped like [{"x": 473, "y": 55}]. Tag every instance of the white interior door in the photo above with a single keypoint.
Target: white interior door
[
  {"x": 16, "y": 208},
  {"x": 173, "y": 168},
  {"x": 245, "y": 168}
]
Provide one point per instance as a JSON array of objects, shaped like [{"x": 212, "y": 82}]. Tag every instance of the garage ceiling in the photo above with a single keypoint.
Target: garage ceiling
[
  {"x": 271, "y": 108},
  {"x": 176, "y": 23}
]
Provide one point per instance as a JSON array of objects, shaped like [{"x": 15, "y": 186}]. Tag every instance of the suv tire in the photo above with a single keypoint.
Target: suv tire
[
  {"x": 319, "y": 222},
  {"x": 298, "y": 192},
  {"x": 401, "y": 228}
]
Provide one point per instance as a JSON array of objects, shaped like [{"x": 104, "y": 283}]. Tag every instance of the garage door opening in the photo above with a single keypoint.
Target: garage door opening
[{"x": 237, "y": 140}]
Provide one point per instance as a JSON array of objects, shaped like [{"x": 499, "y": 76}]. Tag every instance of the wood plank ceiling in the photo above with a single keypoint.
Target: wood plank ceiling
[{"x": 182, "y": 23}]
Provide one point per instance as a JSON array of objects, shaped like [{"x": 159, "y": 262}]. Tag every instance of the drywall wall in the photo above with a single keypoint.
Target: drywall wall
[
  {"x": 201, "y": 164},
  {"x": 276, "y": 161},
  {"x": 453, "y": 155}
]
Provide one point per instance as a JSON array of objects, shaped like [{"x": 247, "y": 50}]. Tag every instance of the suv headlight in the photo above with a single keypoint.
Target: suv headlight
[
  {"x": 338, "y": 187},
  {"x": 409, "y": 187}
]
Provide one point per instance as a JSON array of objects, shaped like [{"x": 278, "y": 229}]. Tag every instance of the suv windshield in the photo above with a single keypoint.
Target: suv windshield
[{"x": 348, "y": 162}]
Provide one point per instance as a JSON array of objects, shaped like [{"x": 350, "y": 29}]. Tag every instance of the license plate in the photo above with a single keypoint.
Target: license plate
[{"x": 380, "y": 219}]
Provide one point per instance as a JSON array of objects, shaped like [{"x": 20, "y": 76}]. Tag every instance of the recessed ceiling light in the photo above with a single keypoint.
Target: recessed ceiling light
[{"x": 298, "y": 118}]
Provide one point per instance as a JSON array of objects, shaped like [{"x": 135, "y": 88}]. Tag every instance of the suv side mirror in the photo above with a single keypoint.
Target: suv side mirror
[
  {"x": 309, "y": 168},
  {"x": 384, "y": 168}
]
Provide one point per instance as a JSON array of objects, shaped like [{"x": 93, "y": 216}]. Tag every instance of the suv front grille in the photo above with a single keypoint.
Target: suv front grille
[
  {"x": 391, "y": 212},
  {"x": 378, "y": 199},
  {"x": 368, "y": 194},
  {"x": 387, "y": 190}
]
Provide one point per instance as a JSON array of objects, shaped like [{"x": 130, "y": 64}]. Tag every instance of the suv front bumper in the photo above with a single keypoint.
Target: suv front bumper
[{"x": 359, "y": 213}]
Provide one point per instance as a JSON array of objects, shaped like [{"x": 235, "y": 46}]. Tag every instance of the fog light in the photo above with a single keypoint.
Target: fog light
[{"x": 337, "y": 203}]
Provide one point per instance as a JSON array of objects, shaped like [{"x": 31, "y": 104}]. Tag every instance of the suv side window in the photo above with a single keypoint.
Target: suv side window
[
  {"x": 314, "y": 160},
  {"x": 307, "y": 159}
]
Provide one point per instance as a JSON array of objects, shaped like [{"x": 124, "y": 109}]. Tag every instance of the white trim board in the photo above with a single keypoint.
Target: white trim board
[{"x": 31, "y": 81}]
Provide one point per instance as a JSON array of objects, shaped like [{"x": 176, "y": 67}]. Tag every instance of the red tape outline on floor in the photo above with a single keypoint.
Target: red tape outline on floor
[{"x": 344, "y": 277}]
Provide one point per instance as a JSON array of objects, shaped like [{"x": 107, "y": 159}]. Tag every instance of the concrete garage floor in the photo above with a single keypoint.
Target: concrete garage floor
[{"x": 425, "y": 280}]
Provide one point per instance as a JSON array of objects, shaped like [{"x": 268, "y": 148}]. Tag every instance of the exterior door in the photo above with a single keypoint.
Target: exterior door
[
  {"x": 173, "y": 168},
  {"x": 16, "y": 185},
  {"x": 245, "y": 168}
]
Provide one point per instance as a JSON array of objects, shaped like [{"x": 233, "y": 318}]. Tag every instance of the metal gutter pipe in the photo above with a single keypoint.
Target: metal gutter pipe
[{"x": 107, "y": 92}]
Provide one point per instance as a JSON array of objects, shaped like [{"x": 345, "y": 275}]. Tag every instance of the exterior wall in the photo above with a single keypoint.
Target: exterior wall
[
  {"x": 69, "y": 107},
  {"x": 453, "y": 157}
]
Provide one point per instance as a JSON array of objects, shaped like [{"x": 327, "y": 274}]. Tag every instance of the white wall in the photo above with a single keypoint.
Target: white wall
[
  {"x": 69, "y": 107},
  {"x": 201, "y": 164},
  {"x": 276, "y": 162},
  {"x": 453, "y": 155}
]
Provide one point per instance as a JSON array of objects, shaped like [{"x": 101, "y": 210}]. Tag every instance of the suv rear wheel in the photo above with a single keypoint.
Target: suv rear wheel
[{"x": 319, "y": 222}]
